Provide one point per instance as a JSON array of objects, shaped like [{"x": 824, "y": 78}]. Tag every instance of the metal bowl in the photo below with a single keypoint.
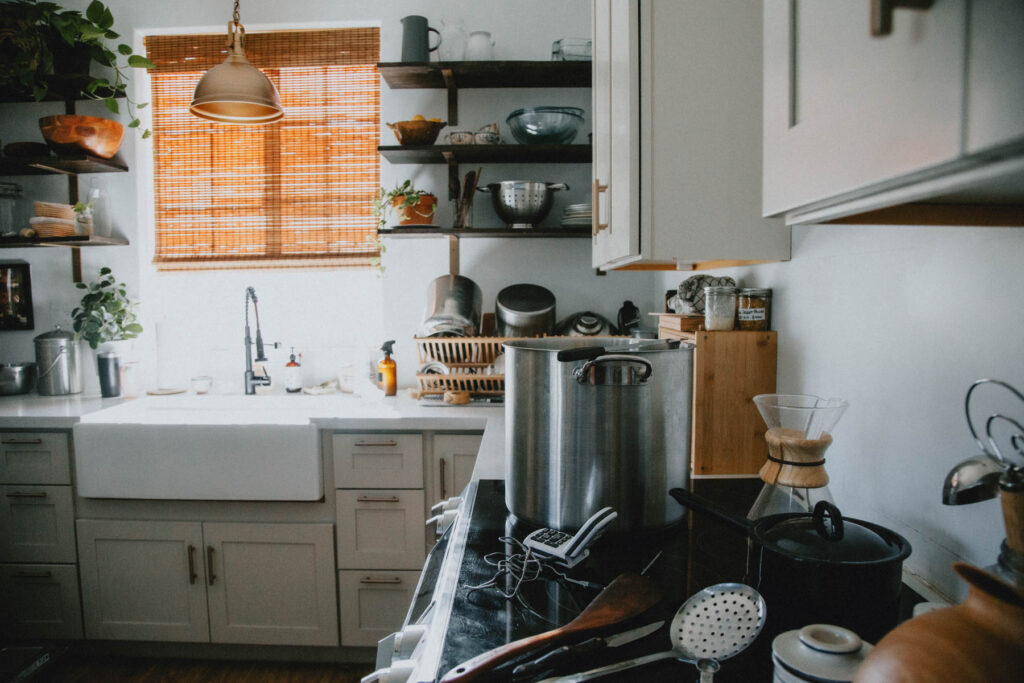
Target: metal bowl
[
  {"x": 522, "y": 203},
  {"x": 17, "y": 378},
  {"x": 545, "y": 125}
]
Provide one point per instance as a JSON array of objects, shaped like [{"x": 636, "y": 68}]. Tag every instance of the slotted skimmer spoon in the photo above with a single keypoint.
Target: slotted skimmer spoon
[{"x": 714, "y": 624}]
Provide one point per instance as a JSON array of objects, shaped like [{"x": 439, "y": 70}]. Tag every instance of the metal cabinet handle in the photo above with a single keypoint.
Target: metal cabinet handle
[
  {"x": 21, "y": 442},
  {"x": 390, "y": 442},
  {"x": 33, "y": 575},
  {"x": 441, "y": 468},
  {"x": 378, "y": 499},
  {"x": 881, "y": 13},
  {"x": 192, "y": 576},
  {"x": 23, "y": 494},
  {"x": 370, "y": 579},
  {"x": 596, "y": 189},
  {"x": 209, "y": 564}
]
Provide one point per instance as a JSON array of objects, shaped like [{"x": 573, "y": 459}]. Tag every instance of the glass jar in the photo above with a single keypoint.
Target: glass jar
[
  {"x": 719, "y": 308},
  {"x": 754, "y": 309}
]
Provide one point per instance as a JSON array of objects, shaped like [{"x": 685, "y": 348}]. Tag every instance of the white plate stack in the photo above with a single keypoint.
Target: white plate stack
[{"x": 576, "y": 215}]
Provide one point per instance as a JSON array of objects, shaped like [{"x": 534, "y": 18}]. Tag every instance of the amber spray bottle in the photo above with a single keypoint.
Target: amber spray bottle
[{"x": 387, "y": 378}]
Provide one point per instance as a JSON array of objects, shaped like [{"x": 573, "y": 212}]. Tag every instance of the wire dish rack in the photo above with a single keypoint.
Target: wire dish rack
[{"x": 460, "y": 364}]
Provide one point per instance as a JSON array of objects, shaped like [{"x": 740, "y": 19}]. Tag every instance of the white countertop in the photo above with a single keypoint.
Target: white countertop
[{"x": 331, "y": 411}]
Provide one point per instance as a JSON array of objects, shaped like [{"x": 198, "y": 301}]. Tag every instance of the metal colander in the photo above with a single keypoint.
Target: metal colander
[{"x": 522, "y": 203}]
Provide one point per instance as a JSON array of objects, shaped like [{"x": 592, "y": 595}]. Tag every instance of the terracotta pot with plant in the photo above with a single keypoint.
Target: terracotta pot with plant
[{"x": 410, "y": 206}]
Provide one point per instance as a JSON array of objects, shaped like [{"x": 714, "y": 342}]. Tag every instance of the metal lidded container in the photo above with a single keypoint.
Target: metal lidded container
[
  {"x": 524, "y": 310},
  {"x": 57, "y": 363},
  {"x": 609, "y": 429}
]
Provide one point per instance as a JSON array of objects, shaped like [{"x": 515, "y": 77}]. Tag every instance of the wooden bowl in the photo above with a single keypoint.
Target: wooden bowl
[
  {"x": 73, "y": 134},
  {"x": 417, "y": 132}
]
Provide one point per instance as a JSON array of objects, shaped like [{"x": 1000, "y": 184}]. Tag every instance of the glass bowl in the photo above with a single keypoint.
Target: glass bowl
[{"x": 545, "y": 125}]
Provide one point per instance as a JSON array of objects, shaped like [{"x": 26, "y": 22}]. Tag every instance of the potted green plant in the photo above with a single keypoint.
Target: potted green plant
[
  {"x": 36, "y": 39},
  {"x": 411, "y": 206},
  {"x": 105, "y": 314}
]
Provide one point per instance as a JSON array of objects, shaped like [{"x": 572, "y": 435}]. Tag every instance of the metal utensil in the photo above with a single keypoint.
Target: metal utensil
[
  {"x": 627, "y": 596},
  {"x": 714, "y": 624},
  {"x": 566, "y": 652},
  {"x": 522, "y": 203}
]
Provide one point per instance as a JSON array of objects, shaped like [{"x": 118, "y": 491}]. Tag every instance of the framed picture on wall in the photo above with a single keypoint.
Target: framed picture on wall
[{"x": 15, "y": 296}]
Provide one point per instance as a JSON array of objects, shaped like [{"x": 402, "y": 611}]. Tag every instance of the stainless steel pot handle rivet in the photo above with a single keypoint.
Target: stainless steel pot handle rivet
[{"x": 581, "y": 372}]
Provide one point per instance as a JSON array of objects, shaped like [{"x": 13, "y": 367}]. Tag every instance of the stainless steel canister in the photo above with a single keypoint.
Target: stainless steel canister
[
  {"x": 454, "y": 304},
  {"x": 609, "y": 430},
  {"x": 57, "y": 362}
]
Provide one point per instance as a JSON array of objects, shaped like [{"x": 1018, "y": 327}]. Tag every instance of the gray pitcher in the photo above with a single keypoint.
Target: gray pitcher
[{"x": 416, "y": 39}]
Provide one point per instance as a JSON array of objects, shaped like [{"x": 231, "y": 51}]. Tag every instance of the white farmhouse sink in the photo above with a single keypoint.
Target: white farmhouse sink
[{"x": 205, "y": 448}]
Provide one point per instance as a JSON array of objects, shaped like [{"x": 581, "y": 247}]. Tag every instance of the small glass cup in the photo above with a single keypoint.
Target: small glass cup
[
  {"x": 201, "y": 384},
  {"x": 719, "y": 308}
]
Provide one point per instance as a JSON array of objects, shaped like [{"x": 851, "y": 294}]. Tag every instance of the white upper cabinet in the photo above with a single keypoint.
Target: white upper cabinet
[
  {"x": 855, "y": 122},
  {"x": 677, "y": 135}
]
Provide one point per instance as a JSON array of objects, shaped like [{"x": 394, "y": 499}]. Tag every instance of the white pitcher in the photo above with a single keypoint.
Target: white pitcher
[
  {"x": 453, "y": 41},
  {"x": 480, "y": 47}
]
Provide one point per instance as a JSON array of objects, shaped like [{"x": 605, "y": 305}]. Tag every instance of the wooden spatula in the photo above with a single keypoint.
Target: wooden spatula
[{"x": 625, "y": 597}]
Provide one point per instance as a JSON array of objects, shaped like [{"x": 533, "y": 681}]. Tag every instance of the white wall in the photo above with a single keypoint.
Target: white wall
[
  {"x": 900, "y": 321},
  {"x": 194, "y": 322}
]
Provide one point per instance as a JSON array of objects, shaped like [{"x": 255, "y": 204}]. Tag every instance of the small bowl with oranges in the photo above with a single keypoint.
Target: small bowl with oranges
[{"x": 418, "y": 131}]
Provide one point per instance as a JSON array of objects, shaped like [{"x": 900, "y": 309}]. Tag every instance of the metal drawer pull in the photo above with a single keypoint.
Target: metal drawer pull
[
  {"x": 33, "y": 575},
  {"x": 370, "y": 579},
  {"x": 881, "y": 13},
  {"x": 192, "y": 576},
  {"x": 22, "y": 442},
  {"x": 595, "y": 192},
  {"x": 209, "y": 564},
  {"x": 377, "y": 443},
  {"x": 22, "y": 494},
  {"x": 379, "y": 499}
]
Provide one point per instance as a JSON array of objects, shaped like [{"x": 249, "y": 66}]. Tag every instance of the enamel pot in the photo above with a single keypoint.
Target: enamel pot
[{"x": 820, "y": 567}]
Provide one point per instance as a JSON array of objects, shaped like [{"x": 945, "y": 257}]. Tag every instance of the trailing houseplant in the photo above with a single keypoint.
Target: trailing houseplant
[
  {"x": 34, "y": 36},
  {"x": 105, "y": 313},
  {"x": 411, "y": 206}
]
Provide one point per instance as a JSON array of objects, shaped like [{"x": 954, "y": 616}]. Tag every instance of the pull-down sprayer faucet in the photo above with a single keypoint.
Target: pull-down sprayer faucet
[{"x": 251, "y": 380}]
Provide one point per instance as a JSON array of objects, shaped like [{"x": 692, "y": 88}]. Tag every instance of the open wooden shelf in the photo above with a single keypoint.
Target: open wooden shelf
[
  {"x": 74, "y": 241},
  {"x": 488, "y": 74},
  {"x": 431, "y": 231},
  {"x": 65, "y": 164},
  {"x": 499, "y": 154}
]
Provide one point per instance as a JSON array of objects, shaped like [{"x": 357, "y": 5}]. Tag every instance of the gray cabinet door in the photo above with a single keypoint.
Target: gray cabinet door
[
  {"x": 995, "y": 98},
  {"x": 844, "y": 110},
  {"x": 373, "y": 604},
  {"x": 143, "y": 580},
  {"x": 393, "y": 461},
  {"x": 271, "y": 583},
  {"x": 36, "y": 524},
  {"x": 380, "y": 529},
  {"x": 41, "y": 601},
  {"x": 34, "y": 458},
  {"x": 454, "y": 456}
]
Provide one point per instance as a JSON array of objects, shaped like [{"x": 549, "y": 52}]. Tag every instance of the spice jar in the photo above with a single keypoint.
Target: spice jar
[
  {"x": 719, "y": 308},
  {"x": 754, "y": 309}
]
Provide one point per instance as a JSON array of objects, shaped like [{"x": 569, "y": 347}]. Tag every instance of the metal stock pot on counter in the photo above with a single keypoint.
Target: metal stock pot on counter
[{"x": 593, "y": 422}]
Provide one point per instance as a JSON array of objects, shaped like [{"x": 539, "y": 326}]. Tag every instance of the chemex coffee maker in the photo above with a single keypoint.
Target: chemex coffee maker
[{"x": 799, "y": 433}]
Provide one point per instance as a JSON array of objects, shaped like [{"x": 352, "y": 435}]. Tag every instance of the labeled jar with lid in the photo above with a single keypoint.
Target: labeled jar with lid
[
  {"x": 719, "y": 308},
  {"x": 754, "y": 309}
]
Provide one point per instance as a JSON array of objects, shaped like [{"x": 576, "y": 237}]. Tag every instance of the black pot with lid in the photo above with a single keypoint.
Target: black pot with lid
[{"x": 820, "y": 567}]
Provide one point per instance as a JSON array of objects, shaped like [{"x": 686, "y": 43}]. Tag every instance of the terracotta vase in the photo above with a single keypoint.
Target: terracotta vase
[
  {"x": 421, "y": 213},
  {"x": 981, "y": 639}
]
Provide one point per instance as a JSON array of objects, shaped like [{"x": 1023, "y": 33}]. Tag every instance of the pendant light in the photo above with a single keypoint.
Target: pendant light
[{"x": 236, "y": 91}]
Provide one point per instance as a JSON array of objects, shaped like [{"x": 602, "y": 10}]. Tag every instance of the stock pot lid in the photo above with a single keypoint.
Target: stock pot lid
[{"x": 55, "y": 336}]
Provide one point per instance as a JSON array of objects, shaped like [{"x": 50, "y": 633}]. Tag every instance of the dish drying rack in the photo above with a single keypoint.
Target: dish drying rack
[{"x": 469, "y": 361}]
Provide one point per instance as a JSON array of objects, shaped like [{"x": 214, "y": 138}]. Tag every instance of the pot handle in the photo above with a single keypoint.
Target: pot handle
[
  {"x": 834, "y": 532},
  {"x": 581, "y": 372},
  {"x": 557, "y": 186},
  {"x": 579, "y": 353},
  {"x": 695, "y": 502}
]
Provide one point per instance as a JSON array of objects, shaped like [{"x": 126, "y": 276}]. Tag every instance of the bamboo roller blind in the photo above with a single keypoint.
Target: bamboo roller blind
[{"x": 295, "y": 193}]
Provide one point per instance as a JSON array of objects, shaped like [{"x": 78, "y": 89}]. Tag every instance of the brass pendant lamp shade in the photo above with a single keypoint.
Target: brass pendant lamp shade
[{"x": 236, "y": 91}]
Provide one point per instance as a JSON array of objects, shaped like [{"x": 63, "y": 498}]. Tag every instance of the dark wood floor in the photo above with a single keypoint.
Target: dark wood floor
[{"x": 84, "y": 669}]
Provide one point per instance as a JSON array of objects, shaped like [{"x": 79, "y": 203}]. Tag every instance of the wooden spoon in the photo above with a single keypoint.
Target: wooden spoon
[{"x": 625, "y": 597}]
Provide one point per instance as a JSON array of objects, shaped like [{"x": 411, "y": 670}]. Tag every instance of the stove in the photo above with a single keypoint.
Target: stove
[{"x": 450, "y": 621}]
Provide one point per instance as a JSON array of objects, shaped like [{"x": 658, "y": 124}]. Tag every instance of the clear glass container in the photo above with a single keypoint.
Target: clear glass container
[
  {"x": 719, "y": 308},
  {"x": 754, "y": 309}
]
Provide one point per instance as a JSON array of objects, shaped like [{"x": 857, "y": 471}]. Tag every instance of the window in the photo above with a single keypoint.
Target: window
[{"x": 295, "y": 193}]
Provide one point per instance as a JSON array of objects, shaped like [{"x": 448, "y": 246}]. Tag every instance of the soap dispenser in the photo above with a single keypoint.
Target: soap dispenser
[
  {"x": 387, "y": 378},
  {"x": 293, "y": 374}
]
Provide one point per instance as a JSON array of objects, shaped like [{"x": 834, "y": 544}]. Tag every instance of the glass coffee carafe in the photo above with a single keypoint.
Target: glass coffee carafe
[{"x": 799, "y": 433}]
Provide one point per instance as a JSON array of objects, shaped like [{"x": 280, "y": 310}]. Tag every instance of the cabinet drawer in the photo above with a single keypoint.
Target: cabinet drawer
[
  {"x": 36, "y": 524},
  {"x": 34, "y": 458},
  {"x": 373, "y": 604},
  {"x": 394, "y": 461},
  {"x": 41, "y": 601},
  {"x": 380, "y": 529}
]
